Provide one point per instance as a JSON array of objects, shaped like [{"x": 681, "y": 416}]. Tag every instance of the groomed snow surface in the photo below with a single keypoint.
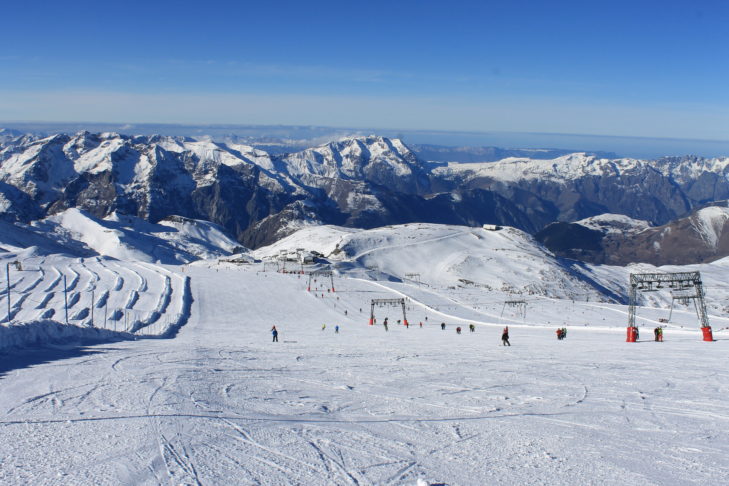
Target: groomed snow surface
[{"x": 221, "y": 404}]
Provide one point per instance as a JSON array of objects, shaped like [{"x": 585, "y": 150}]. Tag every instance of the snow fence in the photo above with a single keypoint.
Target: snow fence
[{"x": 176, "y": 312}]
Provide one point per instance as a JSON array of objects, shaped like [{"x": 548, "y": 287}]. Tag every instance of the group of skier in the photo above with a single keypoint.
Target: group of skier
[
  {"x": 658, "y": 334},
  {"x": 561, "y": 332},
  {"x": 471, "y": 328}
]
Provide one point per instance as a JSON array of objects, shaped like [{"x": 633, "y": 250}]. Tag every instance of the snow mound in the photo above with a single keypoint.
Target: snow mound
[
  {"x": 324, "y": 239},
  {"x": 615, "y": 223},
  {"x": 42, "y": 333},
  {"x": 443, "y": 256},
  {"x": 174, "y": 240}
]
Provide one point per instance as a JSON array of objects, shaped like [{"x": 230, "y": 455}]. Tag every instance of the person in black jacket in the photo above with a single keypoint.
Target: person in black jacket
[{"x": 505, "y": 337}]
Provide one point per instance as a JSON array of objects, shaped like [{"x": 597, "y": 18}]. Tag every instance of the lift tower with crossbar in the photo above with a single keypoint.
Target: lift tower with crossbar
[
  {"x": 321, "y": 273},
  {"x": 387, "y": 302},
  {"x": 683, "y": 285}
]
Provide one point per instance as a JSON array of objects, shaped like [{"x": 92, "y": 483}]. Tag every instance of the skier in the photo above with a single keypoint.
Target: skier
[
  {"x": 442, "y": 326},
  {"x": 656, "y": 331},
  {"x": 345, "y": 312},
  {"x": 274, "y": 332},
  {"x": 458, "y": 330},
  {"x": 564, "y": 332},
  {"x": 472, "y": 328},
  {"x": 505, "y": 337},
  {"x": 385, "y": 324},
  {"x": 421, "y": 324},
  {"x": 323, "y": 326},
  {"x": 559, "y": 334},
  {"x": 336, "y": 329},
  {"x": 660, "y": 334}
]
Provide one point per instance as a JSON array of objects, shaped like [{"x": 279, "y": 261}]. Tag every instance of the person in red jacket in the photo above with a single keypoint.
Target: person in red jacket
[{"x": 505, "y": 337}]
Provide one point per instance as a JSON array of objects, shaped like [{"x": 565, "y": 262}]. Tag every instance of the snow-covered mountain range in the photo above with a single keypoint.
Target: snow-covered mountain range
[
  {"x": 361, "y": 182},
  {"x": 618, "y": 240}
]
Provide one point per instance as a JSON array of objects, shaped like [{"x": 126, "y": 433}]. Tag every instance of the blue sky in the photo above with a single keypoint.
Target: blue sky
[{"x": 639, "y": 68}]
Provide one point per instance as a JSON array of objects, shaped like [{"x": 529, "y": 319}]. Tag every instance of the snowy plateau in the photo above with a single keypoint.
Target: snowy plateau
[{"x": 163, "y": 370}]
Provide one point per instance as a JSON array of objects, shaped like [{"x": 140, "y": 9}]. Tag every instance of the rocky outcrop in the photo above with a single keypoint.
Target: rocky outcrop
[{"x": 700, "y": 237}]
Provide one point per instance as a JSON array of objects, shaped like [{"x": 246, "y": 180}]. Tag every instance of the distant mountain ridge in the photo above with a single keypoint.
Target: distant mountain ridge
[
  {"x": 438, "y": 153},
  {"x": 702, "y": 236},
  {"x": 360, "y": 182}
]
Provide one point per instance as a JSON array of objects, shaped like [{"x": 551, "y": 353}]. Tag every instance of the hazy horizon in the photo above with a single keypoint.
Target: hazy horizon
[{"x": 621, "y": 146}]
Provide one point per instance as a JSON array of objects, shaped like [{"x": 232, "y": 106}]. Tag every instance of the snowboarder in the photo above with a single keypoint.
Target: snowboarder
[
  {"x": 442, "y": 326},
  {"x": 336, "y": 329},
  {"x": 458, "y": 330},
  {"x": 505, "y": 337},
  {"x": 472, "y": 328},
  {"x": 274, "y": 332}
]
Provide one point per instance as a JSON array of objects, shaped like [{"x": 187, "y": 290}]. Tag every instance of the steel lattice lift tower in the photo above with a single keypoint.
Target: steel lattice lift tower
[
  {"x": 384, "y": 302},
  {"x": 683, "y": 286},
  {"x": 321, "y": 273},
  {"x": 521, "y": 307}
]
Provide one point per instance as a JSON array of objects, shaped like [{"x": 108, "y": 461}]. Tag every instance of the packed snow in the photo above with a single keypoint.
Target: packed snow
[{"x": 219, "y": 403}]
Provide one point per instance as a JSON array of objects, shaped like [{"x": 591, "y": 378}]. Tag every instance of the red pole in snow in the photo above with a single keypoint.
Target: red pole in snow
[
  {"x": 632, "y": 334},
  {"x": 707, "y": 333}
]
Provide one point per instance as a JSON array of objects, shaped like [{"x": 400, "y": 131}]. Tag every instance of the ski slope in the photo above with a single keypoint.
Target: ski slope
[{"x": 221, "y": 404}]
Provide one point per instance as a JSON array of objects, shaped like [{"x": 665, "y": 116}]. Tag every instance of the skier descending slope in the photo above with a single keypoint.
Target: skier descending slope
[
  {"x": 274, "y": 332},
  {"x": 505, "y": 337}
]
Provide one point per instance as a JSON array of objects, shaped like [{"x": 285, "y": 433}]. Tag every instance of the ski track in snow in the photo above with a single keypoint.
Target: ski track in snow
[
  {"x": 73, "y": 281},
  {"x": 55, "y": 281},
  {"x": 220, "y": 404}
]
